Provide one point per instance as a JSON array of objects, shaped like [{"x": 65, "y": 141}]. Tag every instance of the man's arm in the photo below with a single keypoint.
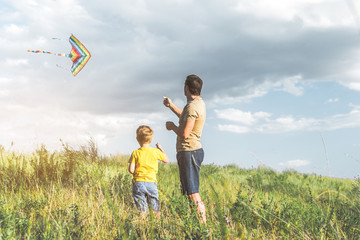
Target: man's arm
[
  {"x": 168, "y": 103},
  {"x": 184, "y": 133}
]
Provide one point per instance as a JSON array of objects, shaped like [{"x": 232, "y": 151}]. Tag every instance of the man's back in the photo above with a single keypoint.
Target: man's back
[{"x": 195, "y": 110}]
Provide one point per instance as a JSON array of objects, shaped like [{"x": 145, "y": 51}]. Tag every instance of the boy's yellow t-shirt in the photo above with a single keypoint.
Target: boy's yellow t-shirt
[{"x": 146, "y": 163}]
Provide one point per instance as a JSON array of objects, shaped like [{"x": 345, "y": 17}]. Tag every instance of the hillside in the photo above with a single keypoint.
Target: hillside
[{"x": 77, "y": 194}]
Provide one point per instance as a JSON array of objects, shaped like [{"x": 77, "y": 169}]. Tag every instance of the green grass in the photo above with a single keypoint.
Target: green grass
[{"x": 78, "y": 194}]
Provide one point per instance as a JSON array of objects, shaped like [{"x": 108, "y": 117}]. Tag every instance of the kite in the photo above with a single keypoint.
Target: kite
[{"x": 79, "y": 55}]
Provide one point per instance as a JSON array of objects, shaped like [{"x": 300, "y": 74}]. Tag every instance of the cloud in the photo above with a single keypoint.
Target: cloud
[
  {"x": 339, "y": 121},
  {"x": 278, "y": 125},
  {"x": 249, "y": 90},
  {"x": 290, "y": 85},
  {"x": 354, "y": 85},
  {"x": 237, "y": 115},
  {"x": 13, "y": 29},
  {"x": 150, "y": 47},
  {"x": 29, "y": 126},
  {"x": 143, "y": 50},
  {"x": 294, "y": 163},
  {"x": 333, "y": 100},
  {"x": 312, "y": 13},
  {"x": 234, "y": 128},
  {"x": 15, "y": 62},
  {"x": 261, "y": 122}
]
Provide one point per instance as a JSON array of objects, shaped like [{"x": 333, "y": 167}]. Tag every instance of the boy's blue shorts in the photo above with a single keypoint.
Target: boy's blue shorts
[
  {"x": 146, "y": 193},
  {"x": 189, "y": 167}
]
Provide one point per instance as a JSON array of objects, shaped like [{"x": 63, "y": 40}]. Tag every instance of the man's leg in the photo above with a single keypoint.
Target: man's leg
[
  {"x": 189, "y": 167},
  {"x": 200, "y": 205}
]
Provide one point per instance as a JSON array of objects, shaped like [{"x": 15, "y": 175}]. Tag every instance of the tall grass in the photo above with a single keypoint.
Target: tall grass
[{"x": 78, "y": 194}]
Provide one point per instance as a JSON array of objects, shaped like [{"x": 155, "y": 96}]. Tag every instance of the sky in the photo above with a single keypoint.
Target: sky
[{"x": 281, "y": 78}]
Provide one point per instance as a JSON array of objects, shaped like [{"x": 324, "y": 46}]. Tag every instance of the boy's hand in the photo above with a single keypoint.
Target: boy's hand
[
  {"x": 159, "y": 146},
  {"x": 167, "y": 102},
  {"x": 166, "y": 159}
]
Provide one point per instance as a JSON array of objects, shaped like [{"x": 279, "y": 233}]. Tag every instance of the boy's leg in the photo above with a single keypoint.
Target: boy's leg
[
  {"x": 139, "y": 194},
  {"x": 153, "y": 197}
]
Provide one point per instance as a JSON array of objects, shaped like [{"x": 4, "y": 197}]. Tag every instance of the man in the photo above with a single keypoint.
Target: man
[{"x": 188, "y": 147}]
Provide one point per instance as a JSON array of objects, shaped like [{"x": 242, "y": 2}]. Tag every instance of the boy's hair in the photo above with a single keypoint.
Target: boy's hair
[
  {"x": 194, "y": 84},
  {"x": 144, "y": 134}
]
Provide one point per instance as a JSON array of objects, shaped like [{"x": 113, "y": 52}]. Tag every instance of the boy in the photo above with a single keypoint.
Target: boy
[{"x": 143, "y": 165}]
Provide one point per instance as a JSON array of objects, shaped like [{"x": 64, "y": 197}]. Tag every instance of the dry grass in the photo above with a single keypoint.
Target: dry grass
[{"x": 77, "y": 194}]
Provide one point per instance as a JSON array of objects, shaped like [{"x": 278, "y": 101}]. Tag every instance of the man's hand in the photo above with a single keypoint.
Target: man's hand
[
  {"x": 170, "y": 126},
  {"x": 167, "y": 102}
]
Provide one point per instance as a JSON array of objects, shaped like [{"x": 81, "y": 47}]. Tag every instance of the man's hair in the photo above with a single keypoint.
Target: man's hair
[
  {"x": 144, "y": 134},
  {"x": 194, "y": 84}
]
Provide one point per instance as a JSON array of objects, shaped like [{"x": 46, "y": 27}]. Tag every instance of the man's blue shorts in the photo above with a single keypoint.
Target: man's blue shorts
[
  {"x": 189, "y": 167},
  {"x": 146, "y": 193}
]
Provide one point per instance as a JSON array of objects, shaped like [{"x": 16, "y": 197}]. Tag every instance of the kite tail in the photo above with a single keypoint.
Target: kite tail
[
  {"x": 55, "y": 38},
  {"x": 57, "y": 54},
  {"x": 62, "y": 67}
]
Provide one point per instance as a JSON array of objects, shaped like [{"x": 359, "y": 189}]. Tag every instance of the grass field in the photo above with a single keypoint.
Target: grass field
[{"x": 77, "y": 194}]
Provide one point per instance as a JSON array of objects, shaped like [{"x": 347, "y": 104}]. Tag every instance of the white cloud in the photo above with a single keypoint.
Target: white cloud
[
  {"x": 237, "y": 115},
  {"x": 262, "y": 123},
  {"x": 259, "y": 91},
  {"x": 142, "y": 50},
  {"x": 351, "y": 75},
  {"x": 339, "y": 121},
  {"x": 30, "y": 126},
  {"x": 354, "y": 85},
  {"x": 9, "y": 16},
  {"x": 4, "y": 93},
  {"x": 14, "y": 29},
  {"x": 313, "y": 13},
  {"x": 294, "y": 163},
  {"x": 233, "y": 128},
  {"x": 287, "y": 124},
  {"x": 15, "y": 62},
  {"x": 333, "y": 100},
  {"x": 290, "y": 85},
  {"x": 5, "y": 80}
]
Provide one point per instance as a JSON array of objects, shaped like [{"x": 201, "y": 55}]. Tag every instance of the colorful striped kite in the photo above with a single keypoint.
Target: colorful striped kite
[{"x": 79, "y": 55}]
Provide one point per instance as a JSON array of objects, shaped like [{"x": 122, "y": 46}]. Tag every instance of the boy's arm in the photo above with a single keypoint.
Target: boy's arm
[
  {"x": 168, "y": 103},
  {"x": 131, "y": 168},
  {"x": 166, "y": 160},
  {"x": 131, "y": 164}
]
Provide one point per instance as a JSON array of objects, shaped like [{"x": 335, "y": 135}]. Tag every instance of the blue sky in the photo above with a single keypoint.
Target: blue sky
[{"x": 281, "y": 78}]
